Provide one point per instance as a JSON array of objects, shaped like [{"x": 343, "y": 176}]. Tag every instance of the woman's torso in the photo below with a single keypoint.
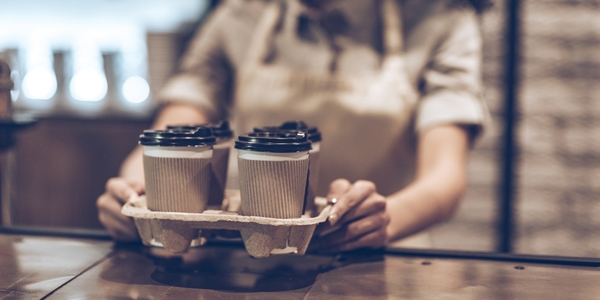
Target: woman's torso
[{"x": 304, "y": 44}]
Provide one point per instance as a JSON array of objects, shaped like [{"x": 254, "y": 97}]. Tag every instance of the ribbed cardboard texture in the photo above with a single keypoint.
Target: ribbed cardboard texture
[
  {"x": 273, "y": 189},
  {"x": 220, "y": 161},
  {"x": 262, "y": 236},
  {"x": 177, "y": 184},
  {"x": 313, "y": 181}
]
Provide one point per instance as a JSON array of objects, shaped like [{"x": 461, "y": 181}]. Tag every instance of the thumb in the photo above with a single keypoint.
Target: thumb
[
  {"x": 137, "y": 186},
  {"x": 336, "y": 189},
  {"x": 120, "y": 189}
]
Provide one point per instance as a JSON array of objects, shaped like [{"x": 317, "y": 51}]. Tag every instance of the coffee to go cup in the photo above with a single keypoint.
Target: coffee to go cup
[
  {"x": 273, "y": 170},
  {"x": 220, "y": 158},
  {"x": 314, "y": 136},
  {"x": 177, "y": 169}
]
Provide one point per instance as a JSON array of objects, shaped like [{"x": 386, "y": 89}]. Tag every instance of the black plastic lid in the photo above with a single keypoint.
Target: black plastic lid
[
  {"x": 313, "y": 132},
  {"x": 297, "y": 125},
  {"x": 278, "y": 133},
  {"x": 183, "y": 127},
  {"x": 200, "y": 136},
  {"x": 268, "y": 129},
  {"x": 220, "y": 130},
  {"x": 274, "y": 142}
]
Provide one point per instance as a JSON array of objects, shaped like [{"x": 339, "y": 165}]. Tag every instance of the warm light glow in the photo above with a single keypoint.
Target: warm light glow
[
  {"x": 136, "y": 89},
  {"x": 88, "y": 85},
  {"x": 39, "y": 84}
]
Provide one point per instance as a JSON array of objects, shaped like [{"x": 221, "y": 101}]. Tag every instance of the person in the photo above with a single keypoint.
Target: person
[{"x": 393, "y": 85}]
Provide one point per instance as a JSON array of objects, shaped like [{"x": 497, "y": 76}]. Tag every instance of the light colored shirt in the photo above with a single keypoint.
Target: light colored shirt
[{"x": 442, "y": 50}]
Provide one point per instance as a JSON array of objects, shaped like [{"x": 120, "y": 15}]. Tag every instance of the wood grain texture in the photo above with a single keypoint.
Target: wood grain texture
[
  {"x": 227, "y": 272},
  {"x": 31, "y": 267}
]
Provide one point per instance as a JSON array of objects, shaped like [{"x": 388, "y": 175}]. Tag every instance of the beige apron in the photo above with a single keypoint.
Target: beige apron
[{"x": 365, "y": 120}]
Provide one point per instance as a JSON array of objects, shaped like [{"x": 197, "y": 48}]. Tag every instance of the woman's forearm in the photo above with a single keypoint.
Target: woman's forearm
[
  {"x": 421, "y": 205},
  {"x": 440, "y": 183}
]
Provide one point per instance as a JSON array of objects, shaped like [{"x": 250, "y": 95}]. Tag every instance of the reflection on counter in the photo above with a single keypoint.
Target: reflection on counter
[{"x": 229, "y": 268}]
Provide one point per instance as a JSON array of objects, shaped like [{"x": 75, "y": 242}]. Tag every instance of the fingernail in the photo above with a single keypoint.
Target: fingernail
[{"x": 333, "y": 218}]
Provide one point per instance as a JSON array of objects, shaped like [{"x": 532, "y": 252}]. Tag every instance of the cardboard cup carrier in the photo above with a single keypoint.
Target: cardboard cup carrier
[
  {"x": 314, "y": 136},
  {"x": 177, "y": 169},
  {"x": 274, "y": 168},
  {"x": 220, "y": 158},
  {"x": 273, "y": 171}
]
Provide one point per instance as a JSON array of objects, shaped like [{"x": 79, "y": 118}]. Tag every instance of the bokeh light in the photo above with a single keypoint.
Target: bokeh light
[
  {"x": 88, "y": 85},
  {"x": 39, "y": 84},
  {"x": 136, "y": 89}
]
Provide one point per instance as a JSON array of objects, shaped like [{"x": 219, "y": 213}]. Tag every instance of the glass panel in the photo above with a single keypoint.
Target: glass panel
[
  {"x": 474, "y": 227},
  {"x": 557, "y": 210}
]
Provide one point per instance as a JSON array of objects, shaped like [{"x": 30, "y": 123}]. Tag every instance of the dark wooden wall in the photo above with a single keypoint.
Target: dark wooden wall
[{"x": 62, "y": 167}]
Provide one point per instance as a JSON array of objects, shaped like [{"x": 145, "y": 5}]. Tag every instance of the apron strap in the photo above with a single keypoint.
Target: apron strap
[
  {"x": 261, "y": 39},
  {"x": 392, "y": 27},
  {"x": 271, "y": 17}
]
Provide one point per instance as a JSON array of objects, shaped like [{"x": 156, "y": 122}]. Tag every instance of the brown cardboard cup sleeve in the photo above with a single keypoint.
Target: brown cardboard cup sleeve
[
  {"x": 273, "y": 186},
  {"x": 177, "y": 180}
]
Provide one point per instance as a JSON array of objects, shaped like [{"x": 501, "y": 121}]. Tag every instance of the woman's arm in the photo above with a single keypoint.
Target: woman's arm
[
  {"x": 449, "y": 95},
  {"x": 363, "y": 218},
  {"x": 440, "y": 182}
]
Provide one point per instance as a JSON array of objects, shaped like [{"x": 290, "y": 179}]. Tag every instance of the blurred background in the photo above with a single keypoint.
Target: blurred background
[{"x": 88, "y": 71}]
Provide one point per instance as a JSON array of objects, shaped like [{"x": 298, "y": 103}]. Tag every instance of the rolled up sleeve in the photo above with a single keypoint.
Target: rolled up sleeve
[{"x": 451, "y": 90}]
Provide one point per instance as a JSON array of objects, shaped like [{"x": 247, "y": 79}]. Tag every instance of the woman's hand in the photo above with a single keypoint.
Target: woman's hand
[
  {"x": 357, "y": 219},
  {"x": 118, "y": 191}
]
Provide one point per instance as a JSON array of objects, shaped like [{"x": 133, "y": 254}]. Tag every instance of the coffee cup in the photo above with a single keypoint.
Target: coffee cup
[
  {"x": 273, "y": 171},
  {"x": 220, "y": 158},
  {"x": 177, "y": 169},
  {"x": 314, "y": 136}
]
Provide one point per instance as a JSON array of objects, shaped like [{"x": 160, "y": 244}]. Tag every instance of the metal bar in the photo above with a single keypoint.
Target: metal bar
[
  {"x": 7, "y": 186},
  {"x": 503, "y": 257},
  {"x": 509, "y": 154},
  {"x": 6, "y": 139}
]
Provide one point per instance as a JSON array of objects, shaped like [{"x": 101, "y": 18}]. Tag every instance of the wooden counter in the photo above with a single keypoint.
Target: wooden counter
[
  {"x": 32, "y": 267},
  {"x": 68, "y": 268}
]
